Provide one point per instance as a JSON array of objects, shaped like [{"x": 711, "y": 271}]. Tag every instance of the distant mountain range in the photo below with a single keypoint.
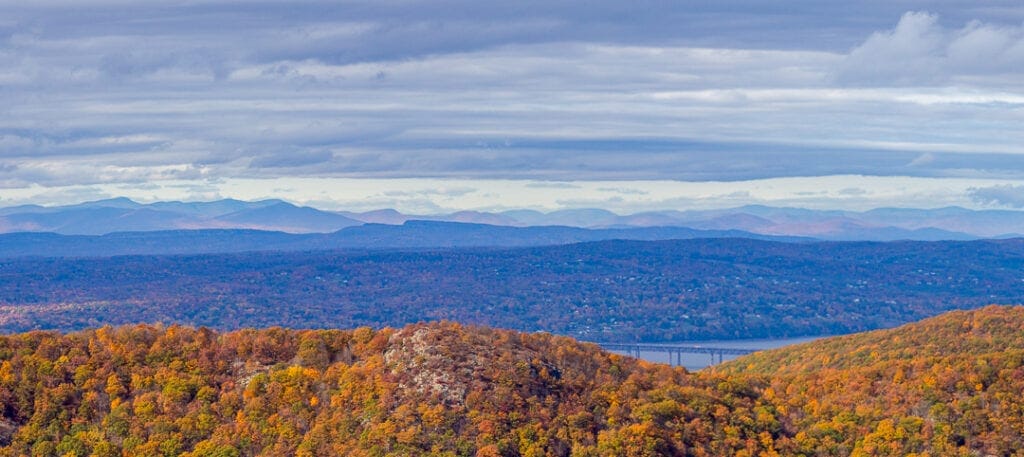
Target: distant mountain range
[
  {"x": 413, "y": 234},
  {"x": 886, "y": 224},
  {"x": 124, "y": 215}
]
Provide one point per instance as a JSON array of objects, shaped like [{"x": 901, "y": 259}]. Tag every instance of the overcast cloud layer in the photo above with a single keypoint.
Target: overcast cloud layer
[{"x": 121, "y": 93}]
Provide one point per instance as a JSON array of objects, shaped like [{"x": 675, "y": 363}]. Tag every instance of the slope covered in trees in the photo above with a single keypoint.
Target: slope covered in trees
[
  {"x": 943, "y": 387},
  {"x": 439, "y": 389},
  {"x": 950, "y": 385},
  {"x": 603, "y": 291}
]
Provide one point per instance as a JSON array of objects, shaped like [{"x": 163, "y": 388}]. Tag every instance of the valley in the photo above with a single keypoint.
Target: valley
[{"x": 616, "y": 291}]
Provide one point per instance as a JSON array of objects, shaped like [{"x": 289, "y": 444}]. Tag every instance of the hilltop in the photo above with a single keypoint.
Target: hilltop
[
  {"x": 438, "y": 389},
  {"x": 949, "y": 385},
  {"x": 946, "y": 386}
]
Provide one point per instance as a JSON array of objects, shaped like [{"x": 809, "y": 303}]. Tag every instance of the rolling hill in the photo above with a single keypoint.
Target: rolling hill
[
  {"x": 949, "y": 385},
  {"x": 448, "y": 389},
  {"x": 439, "y": 389}
]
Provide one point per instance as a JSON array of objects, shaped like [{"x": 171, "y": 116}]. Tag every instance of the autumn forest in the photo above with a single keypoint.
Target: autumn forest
[{"x": 948, "y": 385}]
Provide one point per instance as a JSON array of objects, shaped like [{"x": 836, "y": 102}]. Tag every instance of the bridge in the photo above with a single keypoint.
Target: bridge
[{"x": 634, "y": 349}]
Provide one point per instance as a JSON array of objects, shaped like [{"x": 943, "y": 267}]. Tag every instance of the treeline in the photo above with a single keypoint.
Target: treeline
[{"x": 604, "y": 291}]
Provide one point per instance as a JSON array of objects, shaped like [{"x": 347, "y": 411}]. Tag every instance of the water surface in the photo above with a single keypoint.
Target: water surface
[{"x": 698, "y": 361}]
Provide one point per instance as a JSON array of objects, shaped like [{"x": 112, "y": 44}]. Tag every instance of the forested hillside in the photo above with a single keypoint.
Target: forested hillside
[
  {"x": 602, "y": 291},
  {"x": 949, "y": 385},
  {"x": 944, "y": 387},
  {"x": 439, "y": 389}
]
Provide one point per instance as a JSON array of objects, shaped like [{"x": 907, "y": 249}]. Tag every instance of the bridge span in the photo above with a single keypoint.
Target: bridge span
[{"x": 634, "y": 349}]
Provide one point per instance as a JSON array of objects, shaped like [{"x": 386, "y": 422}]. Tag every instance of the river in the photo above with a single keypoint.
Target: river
[{"x": 695, "y": 362}]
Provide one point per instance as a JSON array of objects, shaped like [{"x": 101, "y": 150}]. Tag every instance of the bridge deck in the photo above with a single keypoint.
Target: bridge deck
[{"x": 678, "y": 350}]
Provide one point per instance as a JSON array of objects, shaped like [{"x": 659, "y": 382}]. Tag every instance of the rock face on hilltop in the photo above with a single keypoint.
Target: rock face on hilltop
[
  {"x": 945, "y": 386},
  {"x": 437, "y": 389}
]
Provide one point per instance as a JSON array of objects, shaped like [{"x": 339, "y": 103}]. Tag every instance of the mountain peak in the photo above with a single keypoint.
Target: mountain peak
[{"x": 117, "y": 202}]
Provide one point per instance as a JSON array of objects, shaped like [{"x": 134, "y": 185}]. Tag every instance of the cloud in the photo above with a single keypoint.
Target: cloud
[
  {"x": 291, "y": 159},
  {"x": 1003, "y": 195},
  {"x": 908, "y": 53},
  {"x": 919, "y": 50},
  {"x": 741, "y": 195},
  {"x": 16, "y": 144},
  {"x": 552, "y": 185},
  {"x": 427, "y": 192},
  {"x": 622, "y": 190},
  {"x": 923, "y": 159},
  {"x": 552, "y": 91}
]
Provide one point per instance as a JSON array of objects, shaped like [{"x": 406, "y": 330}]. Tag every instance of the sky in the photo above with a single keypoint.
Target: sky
[{"x": 456, "y": 104}]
